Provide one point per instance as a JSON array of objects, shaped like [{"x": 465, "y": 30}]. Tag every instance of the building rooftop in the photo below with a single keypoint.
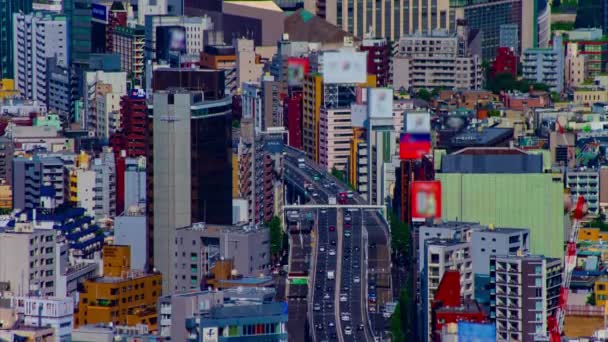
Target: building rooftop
[
  {"x": 503, "y": 230},
  {"x": 259, "y": 4},
  {"x": 492, "y": 163},
  {"x": 443, "y": 242},
  {"x": 487, "y": 136},
  {"x": 468, "y": 306},
  {"x": 250, "y": 310},
  {"x": 248, "y": 281}
]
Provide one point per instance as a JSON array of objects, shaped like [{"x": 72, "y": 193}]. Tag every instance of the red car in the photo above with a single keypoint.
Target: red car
[
  {"x": 332, "y": 228},
  {"x": 347, "y": 225}
]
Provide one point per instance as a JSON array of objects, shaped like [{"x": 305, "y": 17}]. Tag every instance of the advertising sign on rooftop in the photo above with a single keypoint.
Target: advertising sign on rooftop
[
  {"x": 426, "y": 199},
  {"x": 344, "y": 67},
  {"x": 478, "y": 332},
  {"x": 99, "y": 13},
  {"x": 413, "y": 146},
  {"x": 380, "y": 102},
  {"x": 417, "y": 122}
]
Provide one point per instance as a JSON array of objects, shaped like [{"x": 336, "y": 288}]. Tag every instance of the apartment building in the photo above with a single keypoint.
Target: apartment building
[
  {"x": 491, "y": 240},
  {"x": 28, "y": 259},
  {"x": 436, "y": 60},
  {"x": 128, "y": 42},
  {"x": 36, "y": 37},
  {"x": 585, "y": 182},
  {"x": 439, "y": 256},
  {"x": 33, "y": 176},
  {"x": 312, "y": 99},
  {"x": 175, "y": 309},
  {"x": 545, "y": 65},
  {"x": 96, "y": 84},
  {"x": 525, "y": 293},
  {"x": 577, "y": 66},
  {"x": 335, "y": 134},
  {"x": 105, "y": 185}
]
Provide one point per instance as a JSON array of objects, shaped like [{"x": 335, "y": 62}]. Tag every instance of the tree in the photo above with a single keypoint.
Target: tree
[
  {"x": 400, "y": 234},
  {"x": 396, "y": 325},
  {"x": 276, "y": 236},
  {"x": 590, "y": 299},
  {"x": 424, "y": 95},
  {"x": 338, "y": 174}
]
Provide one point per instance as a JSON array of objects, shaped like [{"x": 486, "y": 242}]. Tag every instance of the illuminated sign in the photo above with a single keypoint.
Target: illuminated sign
[
  {"x": 413, "y": 146},
  {"x": 137, "y": 93}
]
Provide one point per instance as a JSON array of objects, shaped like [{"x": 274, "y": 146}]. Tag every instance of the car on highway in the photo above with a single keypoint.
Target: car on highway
[
  {"x": 347, "y": 225},
  {"x": 347, "y": 233},
  {"x": 317, "y": 307},
  {"x": 333, "y": 242},
  {"x": 331, "y": 324},
  {"x": 347, "y": 218},
  {"x": 329, "y": 306},
  {"x": 343, "y": 298},
  {"x": 356, "y": 264},
  {"x": 332, "y": 228},
  {"x": 345, "y": 316},
  {"x": 356, "y": 280},
  {"x": 322, "y": 249},
  {"x": 326, "y": 296},
  {"x": 350, "y": 194},
  {"x": 332, "y": 252},
  {"x": 356, "y": 248},
  {"x": 361, "y": 327},
  {"x": 348, "y": 330},
  {"x": 315, "y": 194},
  {"x": 323, "y": 211},
  {"x": 319, "y": 327}
]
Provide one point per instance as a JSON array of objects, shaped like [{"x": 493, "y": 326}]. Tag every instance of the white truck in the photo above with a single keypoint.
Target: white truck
[
  {"x": 301, "y": 163},
  {"x": 331, "y": 275}
]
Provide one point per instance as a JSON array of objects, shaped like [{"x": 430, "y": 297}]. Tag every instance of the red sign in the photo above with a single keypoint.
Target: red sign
[
  {"x": 413, "y": 146},
  {"x": 297, "y": 68},
  {"x": 426, "y": 199}
]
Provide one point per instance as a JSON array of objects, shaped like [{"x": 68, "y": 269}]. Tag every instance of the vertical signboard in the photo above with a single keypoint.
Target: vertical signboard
[
  {"x": 426, "y": 199},
  {"x": 297, "y": 68},
  {"x": 380, "y": 102},
  {"x": 344, "y": 67}
]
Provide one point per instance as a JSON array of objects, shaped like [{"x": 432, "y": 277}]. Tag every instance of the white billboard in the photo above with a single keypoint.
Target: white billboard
[
  {"x": 210, "y": 334},
  {"x": 417, "y": 122},
  {"x": 380, "y": 102},
  {"x": 344, "y": 67}
]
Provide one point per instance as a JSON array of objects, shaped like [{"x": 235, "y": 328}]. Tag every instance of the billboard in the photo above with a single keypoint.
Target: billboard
[
  {"x": 137, "y": 93},
  {"x": 273, "y": 143},
  {"x": 380, "y": 102},
  {"x": 99, "y": 12},
  {"x": 170, "y": 40},
  {"x": 476, "y": 332},
  {"x": 413, "y": 146},
  {"x": 345, "y": 67},
  {"x": 177, "y": 39},
  {"x": 210, "y": 334},
  {"x": 417, "y": 122},
  {"x": 426, "y": 199},
  {"x": 297, "y": 68}
]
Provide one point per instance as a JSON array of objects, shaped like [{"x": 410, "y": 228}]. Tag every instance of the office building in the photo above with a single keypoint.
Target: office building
[
  {"x": 248, "y": 67},
  {"x": 311, "y": 112},
  {"x": 525, "y": 295},
  {"x": 532, "y": 18},
  {"x": 175, "y": 309},
  {"x": 509, "y": 37},
  {"x": 128, "y": 42},
  {"x": 7, "y": 9},
  {"x": 30, "y": 178},
  {"x": 439, "y": 256},
  {"x": 387, "y": 19},
  {"x": 37, "y": 37},
  {"x": 60, "y": 96},
  {"x": 292, "y": 116},
  {"x": 545, "y": 65},
  {"x": 243, "y": 314},
  {"x": 191, "y": 169},
  {"x": 505, "y": 62},
  {"x": 586, "y": 183},
  {"x": 491, "y": 240},
  {"x": 134, "y": 191},
  {"x": 131, "y": 135},
  {"x": 28, "y": 259},
  {"x": 56, "y": 313},
  {"x": 129, "y": 299},
  {"x": 79, "y": 12},
  {"x": 356, "y": 164},
  {"x": 436, "y": 60}
]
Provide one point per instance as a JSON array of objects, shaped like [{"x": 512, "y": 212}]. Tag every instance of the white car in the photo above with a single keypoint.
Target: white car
[
  {"x": 356, "y": 280},
  {"x": 348, "y": 330},
  {"x": 332, "y": 252},
  {"x": 317, "y": 307},
  {"x": 347, "y": 218},
  {"x": 343, "y": 298},
  {"x": 321, "y": 249},
  {"x": 323, "y": 211},
  {"x": 345, "y": 316},
  {"x": 326, "y": 296}
]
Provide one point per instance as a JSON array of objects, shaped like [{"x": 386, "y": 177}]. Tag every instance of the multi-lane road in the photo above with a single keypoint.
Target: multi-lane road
[{"x": 355, "y": 245}]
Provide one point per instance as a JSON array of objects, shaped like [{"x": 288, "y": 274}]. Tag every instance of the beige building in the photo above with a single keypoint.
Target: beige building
[
  {"x": 390, "y": 19},
  {"x": 577, "y": 70},
  {"x": 335, "y": 134},
  {"x": 426, "y": 61},
  {"x": 589, "y": 95},
  {"x": 247, "y": 67}
]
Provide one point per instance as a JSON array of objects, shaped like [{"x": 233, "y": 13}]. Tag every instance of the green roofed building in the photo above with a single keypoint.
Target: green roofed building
[{"x": 533, "y": 200}]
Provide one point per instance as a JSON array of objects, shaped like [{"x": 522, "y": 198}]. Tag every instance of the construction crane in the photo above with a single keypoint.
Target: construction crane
[{"x": 555, "y": 324}]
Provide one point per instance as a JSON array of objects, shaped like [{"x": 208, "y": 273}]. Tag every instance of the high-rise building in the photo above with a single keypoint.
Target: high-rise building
[
  {"x": 590, "y": 42},
  {"x": 105, "y": 185},
  {"x": 532, "y": 18},
  {"x": 335, "y": 134},
  {"x": 128, "y": 42},
  {"x": 509, "y": 37},
  {"x": 577, "y": 66},
  {"x": 79, "y": 17},
  {"x": 437, "y": 60},
  {"x": 545, "y": 65},
  {"x": 378, "y": 59},
  {"x": 586, "y": 183},
  {"x": 36, "y": 37},
  {"x": 7, "y": 9},
  {"x": 98, "y": 84},
  {"x": 525, "y": 294},
  {"x": 38, "y": 176},
  {"x": 191, "y": 165},
  {"x": 292, "y": 116}
]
